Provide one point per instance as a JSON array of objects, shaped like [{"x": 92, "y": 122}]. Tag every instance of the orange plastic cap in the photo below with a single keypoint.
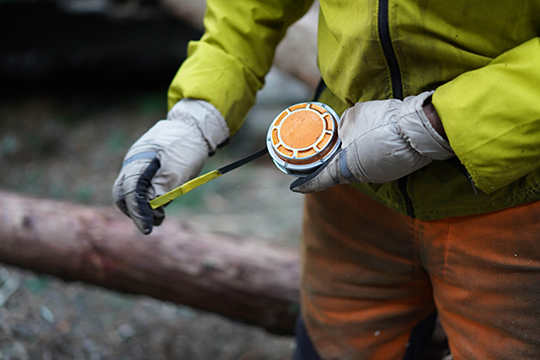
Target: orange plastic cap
[{"x": 303, "y": 133}]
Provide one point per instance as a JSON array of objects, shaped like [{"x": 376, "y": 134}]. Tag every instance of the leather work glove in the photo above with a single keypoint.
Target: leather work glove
[
  {"x": 172, "y": 152},
  {"x": 381, "y": 141}
]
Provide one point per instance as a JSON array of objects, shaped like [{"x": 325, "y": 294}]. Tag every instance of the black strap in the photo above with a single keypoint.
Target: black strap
[
  {"x": 225, "y": 169},
  {"x": 318, "y": 91},
  {"x": 141, "y": 189}
]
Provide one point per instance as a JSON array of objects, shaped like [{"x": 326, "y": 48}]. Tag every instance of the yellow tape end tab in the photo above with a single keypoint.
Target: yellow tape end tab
[{"x": 184, "y": 188}]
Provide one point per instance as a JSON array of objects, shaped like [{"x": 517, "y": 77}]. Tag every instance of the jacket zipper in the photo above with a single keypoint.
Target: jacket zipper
[
  {"x": 397, "y": 86},
  {"x": 388, "y": 49}
]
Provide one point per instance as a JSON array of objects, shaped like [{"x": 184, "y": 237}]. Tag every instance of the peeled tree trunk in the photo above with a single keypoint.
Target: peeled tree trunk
[{"x": 244, "y": 279}]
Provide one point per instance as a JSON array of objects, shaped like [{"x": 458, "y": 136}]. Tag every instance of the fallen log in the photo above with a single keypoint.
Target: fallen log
[
  {"x": 297, "y": 52},
  {"x": 244, "y": 279}
]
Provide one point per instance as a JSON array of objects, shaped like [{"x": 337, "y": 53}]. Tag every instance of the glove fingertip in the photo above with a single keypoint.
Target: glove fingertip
[
  {"x": 146, "y": 217},
  {"x": 159, "y": 216},
  {"x": 121, "y": 205},
  {"x": 301, "y": 187},
  {"x": 295, "y": 185},
  {"x": 147, "y": 231},
  {"x": 305, "y": 184}
]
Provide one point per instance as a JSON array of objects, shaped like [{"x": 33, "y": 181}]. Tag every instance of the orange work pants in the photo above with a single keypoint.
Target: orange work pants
[{"x": 369, "y": 275}]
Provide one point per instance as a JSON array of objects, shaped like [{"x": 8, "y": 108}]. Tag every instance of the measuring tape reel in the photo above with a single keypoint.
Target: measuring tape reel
[{"x": 302, "y": 137}]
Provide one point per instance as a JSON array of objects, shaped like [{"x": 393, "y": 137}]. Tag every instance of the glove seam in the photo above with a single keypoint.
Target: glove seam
[
  {"x": 437, "y": 143},
  {"x": 210, "y": 115},
  {"x": 390, "y": 122},
  {"x": 432, "y": 132},
  {"x": 191, "y": 122},
  {"x": 218, "y": 118},
  {"x": 405, "y": 137}
]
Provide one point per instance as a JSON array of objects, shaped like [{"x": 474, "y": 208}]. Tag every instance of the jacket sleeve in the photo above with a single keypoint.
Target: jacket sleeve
[
  {"x": 227, "y": 66},
  {"x": 492, "y": 117}
]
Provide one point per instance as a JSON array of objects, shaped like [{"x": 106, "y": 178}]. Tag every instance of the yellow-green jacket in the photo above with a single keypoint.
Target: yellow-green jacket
[{"x": 481, "y": 57}]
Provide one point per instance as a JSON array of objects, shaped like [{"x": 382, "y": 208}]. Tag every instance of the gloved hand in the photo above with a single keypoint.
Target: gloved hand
[
  {"x": 381, "y": 141},
  {"x": 172, "y": 152}
]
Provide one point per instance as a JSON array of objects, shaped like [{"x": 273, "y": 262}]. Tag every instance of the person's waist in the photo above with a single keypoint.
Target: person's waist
[{"x": 441, "y": 190}]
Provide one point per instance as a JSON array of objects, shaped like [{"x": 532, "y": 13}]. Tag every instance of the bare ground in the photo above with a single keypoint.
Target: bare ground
[{"x": 71, "y": 147}]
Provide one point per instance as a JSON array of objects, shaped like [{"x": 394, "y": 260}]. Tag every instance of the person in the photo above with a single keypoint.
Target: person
[{"x": 433, "y": 202}]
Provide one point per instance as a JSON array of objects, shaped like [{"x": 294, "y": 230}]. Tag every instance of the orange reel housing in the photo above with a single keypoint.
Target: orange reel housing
[{"x": 302, "y": 137}]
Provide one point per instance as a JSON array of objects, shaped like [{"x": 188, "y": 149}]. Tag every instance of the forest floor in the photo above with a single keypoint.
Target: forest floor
[{"x": 71, "y": 147}]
